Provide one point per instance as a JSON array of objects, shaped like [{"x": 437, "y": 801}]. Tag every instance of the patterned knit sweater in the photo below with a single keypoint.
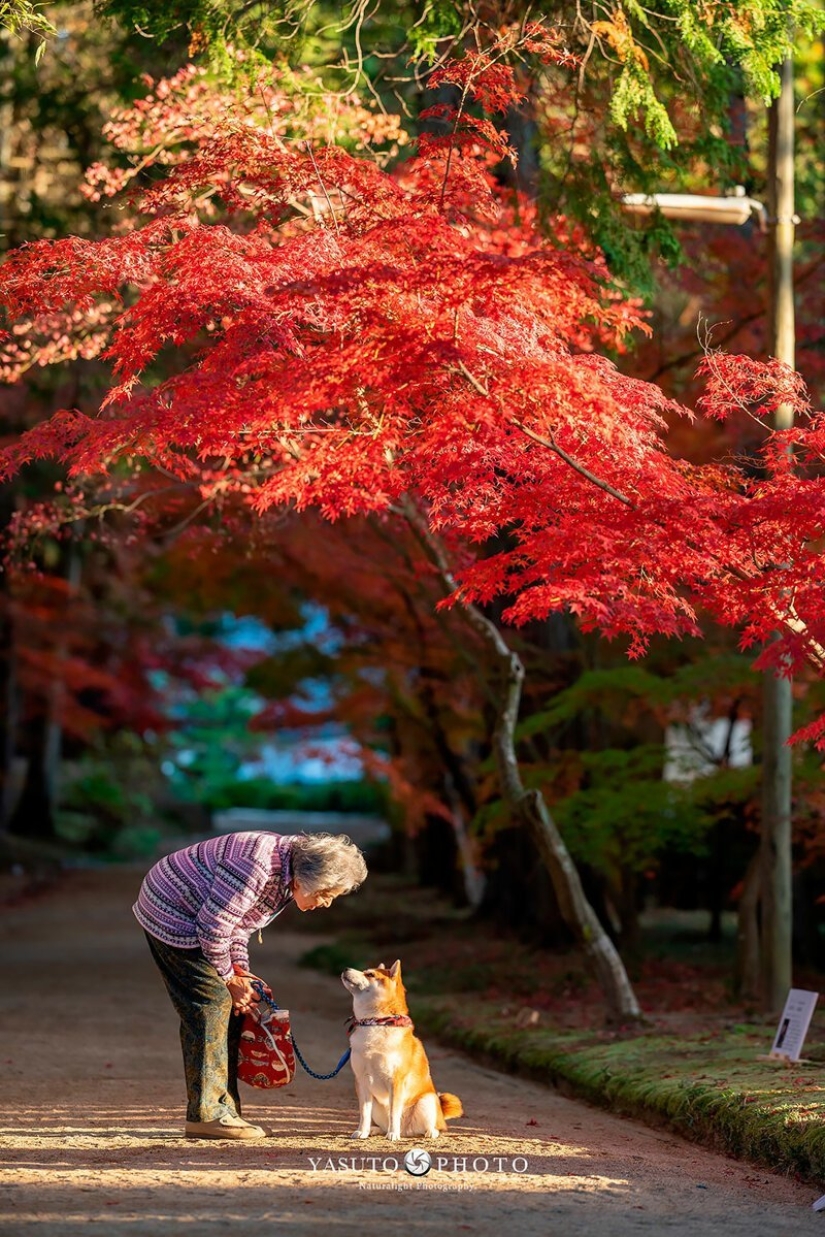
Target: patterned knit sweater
[{"x": 215, "y": 894}]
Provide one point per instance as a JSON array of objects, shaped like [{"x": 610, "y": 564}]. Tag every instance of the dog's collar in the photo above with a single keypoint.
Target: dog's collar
[{"x": 390, "y": 1020}]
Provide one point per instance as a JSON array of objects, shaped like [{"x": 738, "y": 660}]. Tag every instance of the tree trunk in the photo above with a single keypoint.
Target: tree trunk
[
  {"x": 471, "y": 875},
  {"x": 457, "y": 791},
  {"x": 9, "y": 685},
  {"x": 33, "y": 816},
  {"x": 747, "y": 977},
  {"x": 530, "y": 808},
  {"x": 8, "y": 718}
]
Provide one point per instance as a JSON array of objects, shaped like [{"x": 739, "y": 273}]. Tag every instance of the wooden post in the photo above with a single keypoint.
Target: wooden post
[{"x": 775, "y": 844}]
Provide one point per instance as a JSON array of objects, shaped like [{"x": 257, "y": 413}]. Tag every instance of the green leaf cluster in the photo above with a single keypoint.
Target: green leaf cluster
[
  {"x": 20, "y": 17},
  {"x": 635, "y": 94},
  {"x": 230, "y": 36},
  {"x": 623, "y": 813},
  {"x": 612, "y": 689},
  {"x": 440, "y": 20},
  {"x": 627, "y": 815},
  {"x": 261, "y": 793},
  {"x": 211, "y": 739},
  {"x": 756, "y": 35}
]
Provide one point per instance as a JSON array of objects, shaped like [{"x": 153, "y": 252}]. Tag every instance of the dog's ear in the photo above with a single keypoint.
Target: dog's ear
[
  {"x": 395, "y": 969},
  {"x": 382, "y": 966}
]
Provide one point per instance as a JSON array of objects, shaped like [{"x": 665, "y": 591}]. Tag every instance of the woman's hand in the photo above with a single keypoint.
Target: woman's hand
[
  {"x": 254, "y": 979},
  {"x": 244, "y": 998},
  {"x": 243, "y": 994}
]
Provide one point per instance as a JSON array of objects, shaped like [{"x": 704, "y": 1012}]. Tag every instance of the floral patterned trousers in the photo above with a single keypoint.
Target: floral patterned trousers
[{"x": 209, "y": 1031}]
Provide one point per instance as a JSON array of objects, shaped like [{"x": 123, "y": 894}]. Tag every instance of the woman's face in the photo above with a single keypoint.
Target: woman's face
[{"x": 312, "y": 901}]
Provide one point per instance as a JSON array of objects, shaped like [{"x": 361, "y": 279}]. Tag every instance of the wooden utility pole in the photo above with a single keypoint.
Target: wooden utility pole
[{"x": 775, "y": 844}]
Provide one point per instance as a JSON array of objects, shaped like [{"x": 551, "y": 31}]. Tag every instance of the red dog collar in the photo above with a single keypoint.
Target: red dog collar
[{"x": 391, "y": 1020}]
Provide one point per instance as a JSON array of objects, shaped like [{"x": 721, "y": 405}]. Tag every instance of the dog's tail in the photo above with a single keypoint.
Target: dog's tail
[{"x": 450, "y": 1105}]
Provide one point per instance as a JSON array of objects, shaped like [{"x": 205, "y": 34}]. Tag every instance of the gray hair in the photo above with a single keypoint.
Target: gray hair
[{"x": 322, "y": 862}]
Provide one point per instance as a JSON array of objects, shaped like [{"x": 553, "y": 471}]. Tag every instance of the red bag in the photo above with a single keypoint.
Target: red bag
[{"x": 266, "y": 1057}]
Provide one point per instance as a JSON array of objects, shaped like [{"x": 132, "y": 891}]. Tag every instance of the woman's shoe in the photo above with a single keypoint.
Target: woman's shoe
[{"x": 224, "y": 1127}]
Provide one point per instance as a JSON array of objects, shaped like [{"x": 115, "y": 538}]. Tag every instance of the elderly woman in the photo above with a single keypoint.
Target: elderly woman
[{"x": 198, "y": 907}]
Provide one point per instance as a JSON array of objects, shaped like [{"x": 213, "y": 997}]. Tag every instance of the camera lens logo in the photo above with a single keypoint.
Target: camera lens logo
[{"x": 417, "y": 1162}]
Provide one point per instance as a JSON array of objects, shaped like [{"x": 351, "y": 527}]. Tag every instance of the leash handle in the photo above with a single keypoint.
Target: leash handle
[{"x": 267, "y": 1000}]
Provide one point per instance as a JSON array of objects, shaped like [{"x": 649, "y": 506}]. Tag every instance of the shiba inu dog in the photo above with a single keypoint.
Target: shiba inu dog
[{"x": 392, "y": 1073}]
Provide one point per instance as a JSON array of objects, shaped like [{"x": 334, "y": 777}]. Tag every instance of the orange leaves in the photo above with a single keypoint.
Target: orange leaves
[{"x": 618, "y": 34}]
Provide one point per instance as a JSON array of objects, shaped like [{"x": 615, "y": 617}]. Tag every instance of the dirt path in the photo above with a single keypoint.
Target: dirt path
[{"x": 91, "y": 1120}]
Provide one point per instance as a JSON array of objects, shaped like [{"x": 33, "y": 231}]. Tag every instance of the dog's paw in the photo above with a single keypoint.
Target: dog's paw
[
  {"x": 433, "y": 1134},
  {"x": 393, "y": 1138},
  {"x": 360, "y": 1134}
]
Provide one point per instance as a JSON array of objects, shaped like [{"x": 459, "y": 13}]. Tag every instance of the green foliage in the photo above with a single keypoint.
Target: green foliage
[
  {"x": 156, "y": 19},
  {"x": 654, "y": 110},
  {"x": 754, "y": 34},
  {"x": 53, "y": 116},
  {"x": 259, "y": 792},
  {"x": 696, "y": 36},
  {"x": 809, "y": 167},
  {"x": 631, "y": 254},
  {"x": 717, "y": 793},
  {"x": 95, "y": 790},
  {"x": 623, "y": 813},
  {"x": 211, "y": 740},
  {"x": 335, "y": 957},
  {"x": 108, "y": 799},
  {"x": 231, "y": 37},
  {"x": 596, "y": 689},
  {"x": 612, "y": 689},
  {"x": 626, "y": 814},
  {"x": 635, "y": 94},
  {"x": 440, "y": 20},
  {"x": 724, "y": 672}
]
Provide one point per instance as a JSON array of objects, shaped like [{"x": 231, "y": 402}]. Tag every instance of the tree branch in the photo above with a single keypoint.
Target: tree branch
[{"x": 574, "y": 464}]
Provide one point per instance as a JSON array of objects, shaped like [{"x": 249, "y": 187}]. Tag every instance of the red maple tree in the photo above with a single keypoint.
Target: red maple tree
[{"x": 356, "y": 342}]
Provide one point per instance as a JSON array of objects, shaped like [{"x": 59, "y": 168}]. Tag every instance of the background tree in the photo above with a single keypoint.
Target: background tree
[{"x": 51, "y": 113}]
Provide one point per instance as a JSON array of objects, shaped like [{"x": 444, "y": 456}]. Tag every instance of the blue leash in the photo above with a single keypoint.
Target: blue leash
[{"x": 259, "y": 988}]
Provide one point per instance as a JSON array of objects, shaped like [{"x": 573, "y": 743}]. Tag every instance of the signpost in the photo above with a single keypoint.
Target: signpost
[{"x": 793, "y": 1025}]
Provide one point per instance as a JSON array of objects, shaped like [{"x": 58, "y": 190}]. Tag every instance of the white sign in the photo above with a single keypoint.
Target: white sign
[{"x": 794, "y": 1023}]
